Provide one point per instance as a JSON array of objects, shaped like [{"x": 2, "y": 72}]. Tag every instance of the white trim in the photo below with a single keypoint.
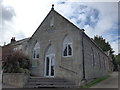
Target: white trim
[
  {"x": 36, "y": 49},
  {"x": 64, "y": 44},
  {"x": 49, "y": 65}
]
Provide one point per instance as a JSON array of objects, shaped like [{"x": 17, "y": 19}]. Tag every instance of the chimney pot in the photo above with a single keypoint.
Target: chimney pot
[{"x": 13, "y": 40}]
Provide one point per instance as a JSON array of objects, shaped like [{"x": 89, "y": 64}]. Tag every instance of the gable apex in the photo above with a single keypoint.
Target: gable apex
[{"x": 53, "y": 12}]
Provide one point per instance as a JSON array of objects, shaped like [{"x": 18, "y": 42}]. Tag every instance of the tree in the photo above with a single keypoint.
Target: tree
[
  {"x": 117, "y": 59},
  {"x": 103, "y": 44}
]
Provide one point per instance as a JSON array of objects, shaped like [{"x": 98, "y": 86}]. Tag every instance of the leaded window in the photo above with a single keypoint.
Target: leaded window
[
  {"x": 67, "y": 47},
  {"x": 36, "y": 51}
]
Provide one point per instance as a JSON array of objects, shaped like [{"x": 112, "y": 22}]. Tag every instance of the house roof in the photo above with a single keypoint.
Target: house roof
[
  {"x": 82, "y": 30},
  {"x": 17, "y": 42},
  {"x": 21, "y": 41}
]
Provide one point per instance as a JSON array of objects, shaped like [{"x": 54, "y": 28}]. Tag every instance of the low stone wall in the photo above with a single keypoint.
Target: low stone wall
[{"x": 15, "y": 79}]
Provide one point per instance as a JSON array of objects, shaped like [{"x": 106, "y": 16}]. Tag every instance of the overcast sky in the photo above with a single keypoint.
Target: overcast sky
[{"x": 20, "y": 18}]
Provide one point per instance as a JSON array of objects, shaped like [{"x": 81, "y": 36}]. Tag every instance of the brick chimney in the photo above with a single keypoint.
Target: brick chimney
[{"x": 13, "y": 40}]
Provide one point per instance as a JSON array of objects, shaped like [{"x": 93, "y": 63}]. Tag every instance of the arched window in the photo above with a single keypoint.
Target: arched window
[
  {"x": 67, "y": 50},
  {"x": 93, "y": 56},
  {"x": 36, "y": 51},
  {"x": 99, "y": 61}
]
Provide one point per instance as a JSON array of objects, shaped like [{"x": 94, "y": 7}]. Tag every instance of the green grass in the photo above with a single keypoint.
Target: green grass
[{"x": 95, "y": 81}]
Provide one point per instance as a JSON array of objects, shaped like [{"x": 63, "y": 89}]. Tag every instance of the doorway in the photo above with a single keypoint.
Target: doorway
[{"x": 50, "y": 65}]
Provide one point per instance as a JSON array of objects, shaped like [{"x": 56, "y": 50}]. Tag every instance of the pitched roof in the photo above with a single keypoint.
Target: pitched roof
[
  {"x": 17, "y": 42},
  {"x": 52, "y": 10}
]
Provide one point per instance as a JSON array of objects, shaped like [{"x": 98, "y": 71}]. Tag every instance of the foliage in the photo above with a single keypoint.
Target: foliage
[
  {"x": 95, "y": 81},
  {"x": 16, "y": 62},
  {"x": 117, "y": 59},
  {"x": 103, "y": 44}
]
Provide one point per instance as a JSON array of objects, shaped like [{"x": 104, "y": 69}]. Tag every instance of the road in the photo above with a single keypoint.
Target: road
[{"x": 111, "y": 82}]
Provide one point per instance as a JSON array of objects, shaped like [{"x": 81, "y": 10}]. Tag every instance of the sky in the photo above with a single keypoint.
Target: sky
[{"x": 21, "y": 18}]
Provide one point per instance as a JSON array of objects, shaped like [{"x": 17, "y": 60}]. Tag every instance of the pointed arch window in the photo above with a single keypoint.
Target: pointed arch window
[
  {"x": 93, "y": 57},
  {"x": 67, "y": 47},
  {"x": 36, "y": 51},
  {"x": 99, "y": 61}
]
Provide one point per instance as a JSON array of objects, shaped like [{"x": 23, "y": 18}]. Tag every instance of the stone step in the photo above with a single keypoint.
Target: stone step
[
  {"x": 50, "y": 83},
  {"x": 43, "y": 78},
  {"x": 49, "y": 86},
  {"x": 34, "y": 79},
  {"x": 47, "y": 80},
  {"x": 37, "y": 82}
]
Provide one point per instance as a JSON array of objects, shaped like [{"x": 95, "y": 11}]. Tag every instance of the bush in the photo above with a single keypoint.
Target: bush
[{"x": 16, "y": 62}]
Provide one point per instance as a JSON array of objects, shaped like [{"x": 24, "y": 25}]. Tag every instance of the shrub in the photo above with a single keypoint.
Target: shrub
[{"x": 16, "y": 62}]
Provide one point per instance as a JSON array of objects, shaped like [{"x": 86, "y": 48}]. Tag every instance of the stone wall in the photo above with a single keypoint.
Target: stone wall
[
  {"x": 15, "y": 79},
  {"x": 96, "y": 61},
  {"x": 65, "y": 67}
]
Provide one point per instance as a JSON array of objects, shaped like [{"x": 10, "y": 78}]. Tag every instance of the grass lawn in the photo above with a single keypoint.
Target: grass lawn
[{"x": 95, "y": 81}]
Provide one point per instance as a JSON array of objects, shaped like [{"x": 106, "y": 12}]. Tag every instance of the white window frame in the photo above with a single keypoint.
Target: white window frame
[
  {"x": 50, "y": 55},
  {"x": 66, "y": 44},
  {"x": 37, "y": 51},
  {"x": 35, "y": 60}
]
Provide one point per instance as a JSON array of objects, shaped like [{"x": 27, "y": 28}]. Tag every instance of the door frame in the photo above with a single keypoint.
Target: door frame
[{"x": 49, "y": 66}]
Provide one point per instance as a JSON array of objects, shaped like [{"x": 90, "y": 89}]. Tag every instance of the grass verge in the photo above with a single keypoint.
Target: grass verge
[{"x": 95, "y": 81}]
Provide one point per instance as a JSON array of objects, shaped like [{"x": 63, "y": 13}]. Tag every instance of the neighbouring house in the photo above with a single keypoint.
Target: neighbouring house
[
  {"x": 59, "y": 49},
  {"x": 14, "y": 45}
]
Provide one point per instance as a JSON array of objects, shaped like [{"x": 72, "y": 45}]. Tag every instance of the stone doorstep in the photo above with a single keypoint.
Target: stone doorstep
[
  {"x": 38, "y": 82},
  {"x": 49, "y": 86}
]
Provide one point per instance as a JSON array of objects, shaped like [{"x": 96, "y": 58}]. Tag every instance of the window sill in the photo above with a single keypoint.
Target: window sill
[{"x": 67, "y": 56}]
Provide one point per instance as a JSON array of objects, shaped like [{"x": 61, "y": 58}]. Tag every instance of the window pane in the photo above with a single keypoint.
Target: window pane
[
  {"x": 37, "y": 56},
  {"x": 33, "y": 54},
  {"x": 69, "y": 50},
  {"x": 47, "y": 66},
  {"x": 52, "y": 66},
  {"x": 36, "y": 50},
  {"x": 65, "y": 51},
  {"x": 37, "y": 53},
  {"x": 67, "y": 46}
]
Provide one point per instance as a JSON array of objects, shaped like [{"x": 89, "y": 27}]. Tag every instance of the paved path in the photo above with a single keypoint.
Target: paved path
[{"x": 111, "y": 82}]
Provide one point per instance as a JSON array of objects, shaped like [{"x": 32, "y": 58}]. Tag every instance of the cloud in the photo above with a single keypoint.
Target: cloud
[
  {"x": 96, "y": 18},
  {"x": 114, "y": 45},
  {"x": 7, "y": 13},
  {"x": 6, "y": 24}
]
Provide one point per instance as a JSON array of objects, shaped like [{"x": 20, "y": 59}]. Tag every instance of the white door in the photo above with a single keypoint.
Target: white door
[{"x": 50, "y": 65}]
